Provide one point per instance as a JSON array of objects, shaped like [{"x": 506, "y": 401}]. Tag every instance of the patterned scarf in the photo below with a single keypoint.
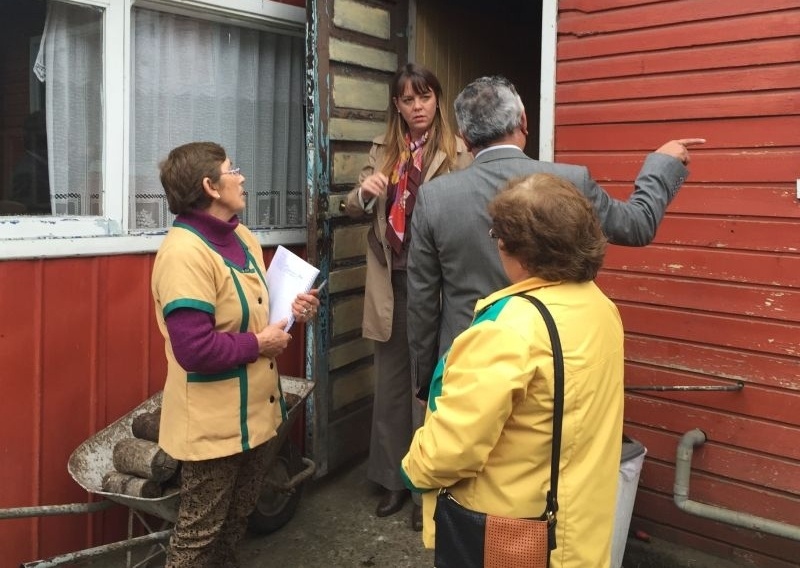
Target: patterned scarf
[{"x": 402, "y": 191}]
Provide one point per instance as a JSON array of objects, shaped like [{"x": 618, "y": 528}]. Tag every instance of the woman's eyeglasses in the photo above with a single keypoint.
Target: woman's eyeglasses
[
  {"x": 233, "y": 171},
  {"x": 493, "y": 234}
]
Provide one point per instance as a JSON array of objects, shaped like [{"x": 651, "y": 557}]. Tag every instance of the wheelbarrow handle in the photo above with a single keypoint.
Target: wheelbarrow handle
[{"x": 296, "y": 479}]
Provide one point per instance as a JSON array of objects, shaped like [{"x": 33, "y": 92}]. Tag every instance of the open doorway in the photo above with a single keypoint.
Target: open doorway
[{"x": 460, "y": 40}]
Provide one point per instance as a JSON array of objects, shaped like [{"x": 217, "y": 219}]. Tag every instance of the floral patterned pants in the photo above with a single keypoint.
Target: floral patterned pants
[{"x": 217, "y": 495}]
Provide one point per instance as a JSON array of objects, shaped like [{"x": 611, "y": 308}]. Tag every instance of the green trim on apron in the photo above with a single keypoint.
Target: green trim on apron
[
  {"x": 194, "y": 377},
  {"x": 188, "y": 303}
]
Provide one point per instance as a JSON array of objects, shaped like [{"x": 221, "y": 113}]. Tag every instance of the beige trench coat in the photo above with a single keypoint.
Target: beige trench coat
[{"x": 378, "y": 296}]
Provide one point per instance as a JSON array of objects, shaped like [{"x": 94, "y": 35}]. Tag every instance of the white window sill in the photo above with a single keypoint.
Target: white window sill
[{"x": 57, "y": 246}]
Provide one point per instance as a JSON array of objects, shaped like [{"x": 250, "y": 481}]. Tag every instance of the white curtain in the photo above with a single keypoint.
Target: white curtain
[
  {"x": 70, "y": 62},
  {"x": 196, "y": 80}
]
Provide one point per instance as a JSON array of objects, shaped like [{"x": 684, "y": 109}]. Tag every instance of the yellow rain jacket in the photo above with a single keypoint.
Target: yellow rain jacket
[{"x": 488, "y": 429}]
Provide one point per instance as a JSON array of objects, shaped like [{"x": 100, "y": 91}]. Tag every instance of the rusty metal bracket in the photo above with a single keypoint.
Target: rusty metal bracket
[{"x": 737, "y": 387}]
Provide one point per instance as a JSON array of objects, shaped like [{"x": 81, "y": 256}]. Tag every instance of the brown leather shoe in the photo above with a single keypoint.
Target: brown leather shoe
[
  {"x": 391, "y": 502},
  {"x": 416, "y": 518}
]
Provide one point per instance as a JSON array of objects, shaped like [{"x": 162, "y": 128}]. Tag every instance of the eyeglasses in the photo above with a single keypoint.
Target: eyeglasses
[
  {"x": 493, "y": 234},
  {"x": 233, "y": 172}
]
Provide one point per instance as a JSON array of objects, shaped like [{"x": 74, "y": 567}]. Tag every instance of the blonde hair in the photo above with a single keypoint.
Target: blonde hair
[{"x": 440, "y": 135}]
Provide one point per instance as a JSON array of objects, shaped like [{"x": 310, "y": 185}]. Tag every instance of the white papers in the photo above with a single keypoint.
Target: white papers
[{"x": 287, "y": 276}]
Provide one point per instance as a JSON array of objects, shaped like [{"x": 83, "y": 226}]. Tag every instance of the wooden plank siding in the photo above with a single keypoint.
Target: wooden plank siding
[
  {"x": 79, "y": 347},
  {"x": 715, "y": 299}
]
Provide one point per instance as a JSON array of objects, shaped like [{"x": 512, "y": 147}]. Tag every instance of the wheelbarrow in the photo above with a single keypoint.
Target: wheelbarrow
[{"x": 276, "y": 506}]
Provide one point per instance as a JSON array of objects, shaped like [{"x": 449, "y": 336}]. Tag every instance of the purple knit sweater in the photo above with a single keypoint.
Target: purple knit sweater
[{"x": 197, "y": 346}]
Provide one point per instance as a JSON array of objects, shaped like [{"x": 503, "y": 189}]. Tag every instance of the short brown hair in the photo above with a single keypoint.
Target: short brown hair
[
  {"x": 550, "y": 227},
  {"x": 183, "y": 171}
]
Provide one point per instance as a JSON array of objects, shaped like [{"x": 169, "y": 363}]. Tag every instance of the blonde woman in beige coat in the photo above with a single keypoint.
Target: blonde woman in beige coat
[{"x": 418, "y": 145}]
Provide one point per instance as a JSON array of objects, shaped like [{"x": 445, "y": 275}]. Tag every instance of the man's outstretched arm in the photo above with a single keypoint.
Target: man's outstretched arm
[{"x": 634, "y": 222}]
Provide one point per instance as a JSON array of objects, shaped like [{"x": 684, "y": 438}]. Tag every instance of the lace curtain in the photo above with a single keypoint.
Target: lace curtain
[
  {"x": 70, "y": 63},
  {"x": 198, "y": 80}
]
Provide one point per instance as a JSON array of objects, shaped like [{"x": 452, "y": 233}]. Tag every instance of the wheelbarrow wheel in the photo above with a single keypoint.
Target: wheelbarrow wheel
[{"x": 275, "y": 507}]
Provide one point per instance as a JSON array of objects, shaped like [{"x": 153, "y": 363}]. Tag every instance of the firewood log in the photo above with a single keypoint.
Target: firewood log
[
  {"x": 143, "y": 458},
  {"x": 146, "y": 424},
  {"x": 124, "y": 484}
]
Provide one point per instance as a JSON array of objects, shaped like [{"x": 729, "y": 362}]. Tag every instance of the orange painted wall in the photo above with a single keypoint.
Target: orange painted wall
[
  {"x": 79, "y": 347},
  {"x": 716, "y": 298}
]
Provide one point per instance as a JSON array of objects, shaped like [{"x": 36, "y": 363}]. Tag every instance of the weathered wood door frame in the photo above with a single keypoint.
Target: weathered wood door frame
[{"x": 353, "y": 50}]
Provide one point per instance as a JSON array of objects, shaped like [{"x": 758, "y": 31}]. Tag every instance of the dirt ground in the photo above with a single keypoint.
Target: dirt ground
[{"x": 335, "y": 526}]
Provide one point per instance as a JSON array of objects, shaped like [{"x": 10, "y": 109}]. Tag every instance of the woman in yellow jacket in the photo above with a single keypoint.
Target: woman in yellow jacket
[
  {"x": 487, "y": 433},
  {"x": 418, "y": 145}
]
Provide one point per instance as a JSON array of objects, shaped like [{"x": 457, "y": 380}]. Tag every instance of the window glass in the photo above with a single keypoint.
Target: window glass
[
  {"x": 52, "y": 117},
  {"x": 199, "y": 80}
]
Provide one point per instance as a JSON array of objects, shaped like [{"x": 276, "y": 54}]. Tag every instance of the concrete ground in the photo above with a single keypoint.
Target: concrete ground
[{"x": 335, "y": 527}]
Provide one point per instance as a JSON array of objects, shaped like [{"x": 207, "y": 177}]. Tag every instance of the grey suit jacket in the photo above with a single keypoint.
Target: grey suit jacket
[{"x": 452, "y": 262}]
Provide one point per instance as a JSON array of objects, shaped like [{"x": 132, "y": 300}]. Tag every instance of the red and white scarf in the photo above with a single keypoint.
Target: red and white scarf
[{"x": 402, "y": 191}]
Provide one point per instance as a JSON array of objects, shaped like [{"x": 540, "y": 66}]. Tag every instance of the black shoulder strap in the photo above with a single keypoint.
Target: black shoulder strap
[{"x": 558, "y": 411}]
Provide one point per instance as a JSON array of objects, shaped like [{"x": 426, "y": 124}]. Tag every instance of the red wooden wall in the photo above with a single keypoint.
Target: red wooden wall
[
  {"x": 716, "y": 298},
  {"x": 79, "y": 347}
]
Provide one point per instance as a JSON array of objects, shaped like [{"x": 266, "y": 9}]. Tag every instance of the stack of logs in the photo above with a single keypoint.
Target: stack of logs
[{"x": 141, "y": 468}]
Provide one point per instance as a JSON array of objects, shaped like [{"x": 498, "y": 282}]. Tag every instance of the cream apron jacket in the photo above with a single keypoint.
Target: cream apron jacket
[
  {"x": 488, "y": 429},
  {"x": 207, "y": 416},
  {"x": 378, "y": 296}
]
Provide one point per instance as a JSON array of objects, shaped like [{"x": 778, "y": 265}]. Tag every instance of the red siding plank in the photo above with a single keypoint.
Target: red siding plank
[
  {"x": 692, "y": 58},
  {"x": 696, "y": 108},
  {"x": 754, "y": 234},
  {"x": 726, "y": 331},
  {"x": 730, "y": 495},
  {"x": 701, "y": 82},
  {"x": 722, "y": 133},
  {"x": 721, "y": 428},
  {"x": 754, "y": 548},
  {"x": 125, "y": 319},
  {"x": 743, "y": 166},
  {"x": 777, "y": 200},
  {"x": 683, "y": 34},
  {"x": 589, "y": 6},
  {"x": 717, "y": 362},
  {"x": 659, "y": 14},
  {"x": 751, "y": 468},
  {"x": 718, "y": 297},
  {"x": 21, "y": 381},
  {"x": 70, "y": 313},
  {"x": 753, "y": 401},
  {"x": 743, "y": 267}
]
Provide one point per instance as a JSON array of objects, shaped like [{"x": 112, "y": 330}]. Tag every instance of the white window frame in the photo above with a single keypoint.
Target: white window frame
[
  {"x": 547, "y": 87},
  {"x": 59, "y": 236}
]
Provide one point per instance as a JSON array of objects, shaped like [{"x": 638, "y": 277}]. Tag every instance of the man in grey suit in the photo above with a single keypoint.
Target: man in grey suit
[{"x": 452, "y": 261}]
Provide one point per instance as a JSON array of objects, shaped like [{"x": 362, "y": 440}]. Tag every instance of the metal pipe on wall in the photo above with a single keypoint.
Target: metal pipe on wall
[{"x": 683, "y": 468}]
